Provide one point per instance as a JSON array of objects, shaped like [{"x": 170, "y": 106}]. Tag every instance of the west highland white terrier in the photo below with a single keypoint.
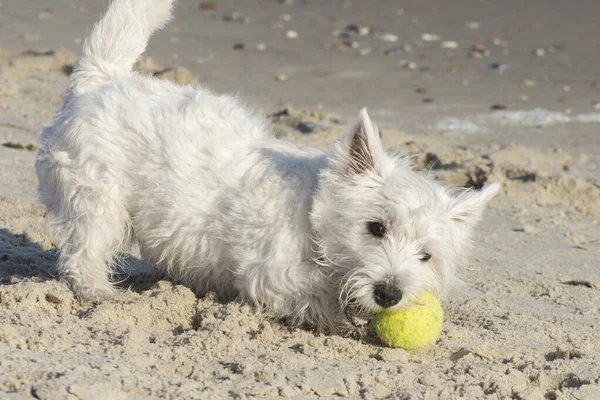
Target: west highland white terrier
[{"x": 221, "y": 206}]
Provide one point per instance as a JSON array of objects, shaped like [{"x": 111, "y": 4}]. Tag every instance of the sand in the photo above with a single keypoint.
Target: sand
[{"x": 526, "y": 323}]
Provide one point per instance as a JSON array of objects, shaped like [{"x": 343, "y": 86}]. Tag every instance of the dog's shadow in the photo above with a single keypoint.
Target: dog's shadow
[{"x": 23, "y": 259}]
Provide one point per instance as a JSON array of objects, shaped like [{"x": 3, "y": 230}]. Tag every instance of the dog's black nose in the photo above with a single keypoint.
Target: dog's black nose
[{"x": 386, "y": 294}]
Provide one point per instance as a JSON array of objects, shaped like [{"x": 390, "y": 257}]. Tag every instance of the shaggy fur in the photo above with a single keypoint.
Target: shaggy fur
[{"x": 221, "y": 206}]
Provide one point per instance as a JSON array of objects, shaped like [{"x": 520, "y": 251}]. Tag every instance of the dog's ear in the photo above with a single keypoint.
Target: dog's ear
[
  {"x": 467, "y": 208},
  {"x": 361, "y": 149}
]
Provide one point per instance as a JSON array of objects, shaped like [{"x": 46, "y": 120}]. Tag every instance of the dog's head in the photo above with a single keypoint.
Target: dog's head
[{"x": 385, "y": 232}]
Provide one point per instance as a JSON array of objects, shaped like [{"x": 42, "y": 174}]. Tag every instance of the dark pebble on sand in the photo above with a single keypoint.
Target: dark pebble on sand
[
  {"x": 393, "y": 52},
  {"x": 498, "y": 107},
  {"x": 239, "y": 46}
]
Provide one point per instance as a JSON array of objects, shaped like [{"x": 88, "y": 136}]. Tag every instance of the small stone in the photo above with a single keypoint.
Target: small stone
[
  {"x": 497, "y": 107},
  {"x": 473, "y": 25},
  {"x": 394, "y": 52},
  {"x": 291, "y": 34},
  {"x": 412, "y": 65},
  {"x": 479, "y": 50},
  {"x": 261, "y": 47},
  {"x": 430, "y": 37},
  {"x": 387, "y": 37},
  {"x": 499, "y": 42},
  {"x": 208, "y": 5},
  {"x": 364, "y": 30},
  {"x": 422, "y": 91},
  {"x": 449, "y": 44},
  {"x": 239, "y": 46},
  {"x": 539, "y": 52},
  {"x": 347, "y": 44},
  {"x": 286, "y": 17},
  {"x": 427, "y": 100},
  {"x": 281, "y": 77},
  {"x": 352, "y": 28},
  {"x": 596, "y": 105},
  {"x": 568, "y": 111},
  {"x": 529, "y": 83},
  {"x": 567, "y": 88},
  {"x": 499, "y": 67}
]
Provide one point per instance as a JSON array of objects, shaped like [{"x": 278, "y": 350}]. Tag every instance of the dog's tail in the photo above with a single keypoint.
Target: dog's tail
[{"x": 117, "y": 40}]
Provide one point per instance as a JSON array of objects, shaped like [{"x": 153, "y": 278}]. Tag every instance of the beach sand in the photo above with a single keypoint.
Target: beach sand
[{"x": 513, "y": 99}]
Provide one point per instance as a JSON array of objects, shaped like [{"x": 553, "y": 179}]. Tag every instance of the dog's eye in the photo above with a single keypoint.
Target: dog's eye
[
  {"x": 425, "y": 257},
  {"x": 377, "y": 229}
]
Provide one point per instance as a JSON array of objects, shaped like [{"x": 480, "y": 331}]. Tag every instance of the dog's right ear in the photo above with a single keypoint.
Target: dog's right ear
[{"x": 361, "y": 149}]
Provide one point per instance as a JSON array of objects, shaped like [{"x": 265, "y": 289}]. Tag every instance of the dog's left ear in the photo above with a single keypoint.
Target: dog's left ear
[
  {"x": 361, "y": 149},
  {"x": 467, "y": 208}
]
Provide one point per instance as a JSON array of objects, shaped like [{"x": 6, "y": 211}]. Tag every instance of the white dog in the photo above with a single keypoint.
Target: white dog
[{"x": 221, "y": 206}]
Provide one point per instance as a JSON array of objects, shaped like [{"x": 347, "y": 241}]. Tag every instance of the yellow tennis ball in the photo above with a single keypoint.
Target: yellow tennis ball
[{"x": 414, "y": 328}]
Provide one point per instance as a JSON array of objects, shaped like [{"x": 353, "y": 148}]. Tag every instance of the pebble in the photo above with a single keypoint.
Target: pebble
[
  {"x": 596, "y": 105},
  {"x": 529, "y": 83},
  {"x": 539, "y": 52},
  {"x": 347, "y": 44},
  {"x": 499, "y": 42},
  {"x": 422, "y": 91},
  {"x": 394, "y": 52},
  {"x": 208, "y": 5},
  {"x": 387, "y": 37},
  {"x": 568, "y": 111},
  {"x": 291, "y": 34},
  {"x": 239, "y": 46},
  {"x": 411, "y": 65},
  {"x": 237, "y": 17},
  {"x": 500, "y": 67},
  {"x": 281, "y": 77},
  {"x": 498, "y": 107},
  {"x": 449, "y": 44},
  {"x": 286, "y": 17},
  {"x": 364, "y": 30},
  {"x": 479, "y": 50},
  {"x": 430, "y": 37},
  {"x": 473, "y": 25},
  {"x": 427, "y": 100},
  {"x": 352, "y": 28},
  {"x": 261, "y": 47}
]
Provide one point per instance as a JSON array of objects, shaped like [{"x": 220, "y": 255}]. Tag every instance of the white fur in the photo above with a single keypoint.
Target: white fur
[{"x": 220, "y": 205}]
